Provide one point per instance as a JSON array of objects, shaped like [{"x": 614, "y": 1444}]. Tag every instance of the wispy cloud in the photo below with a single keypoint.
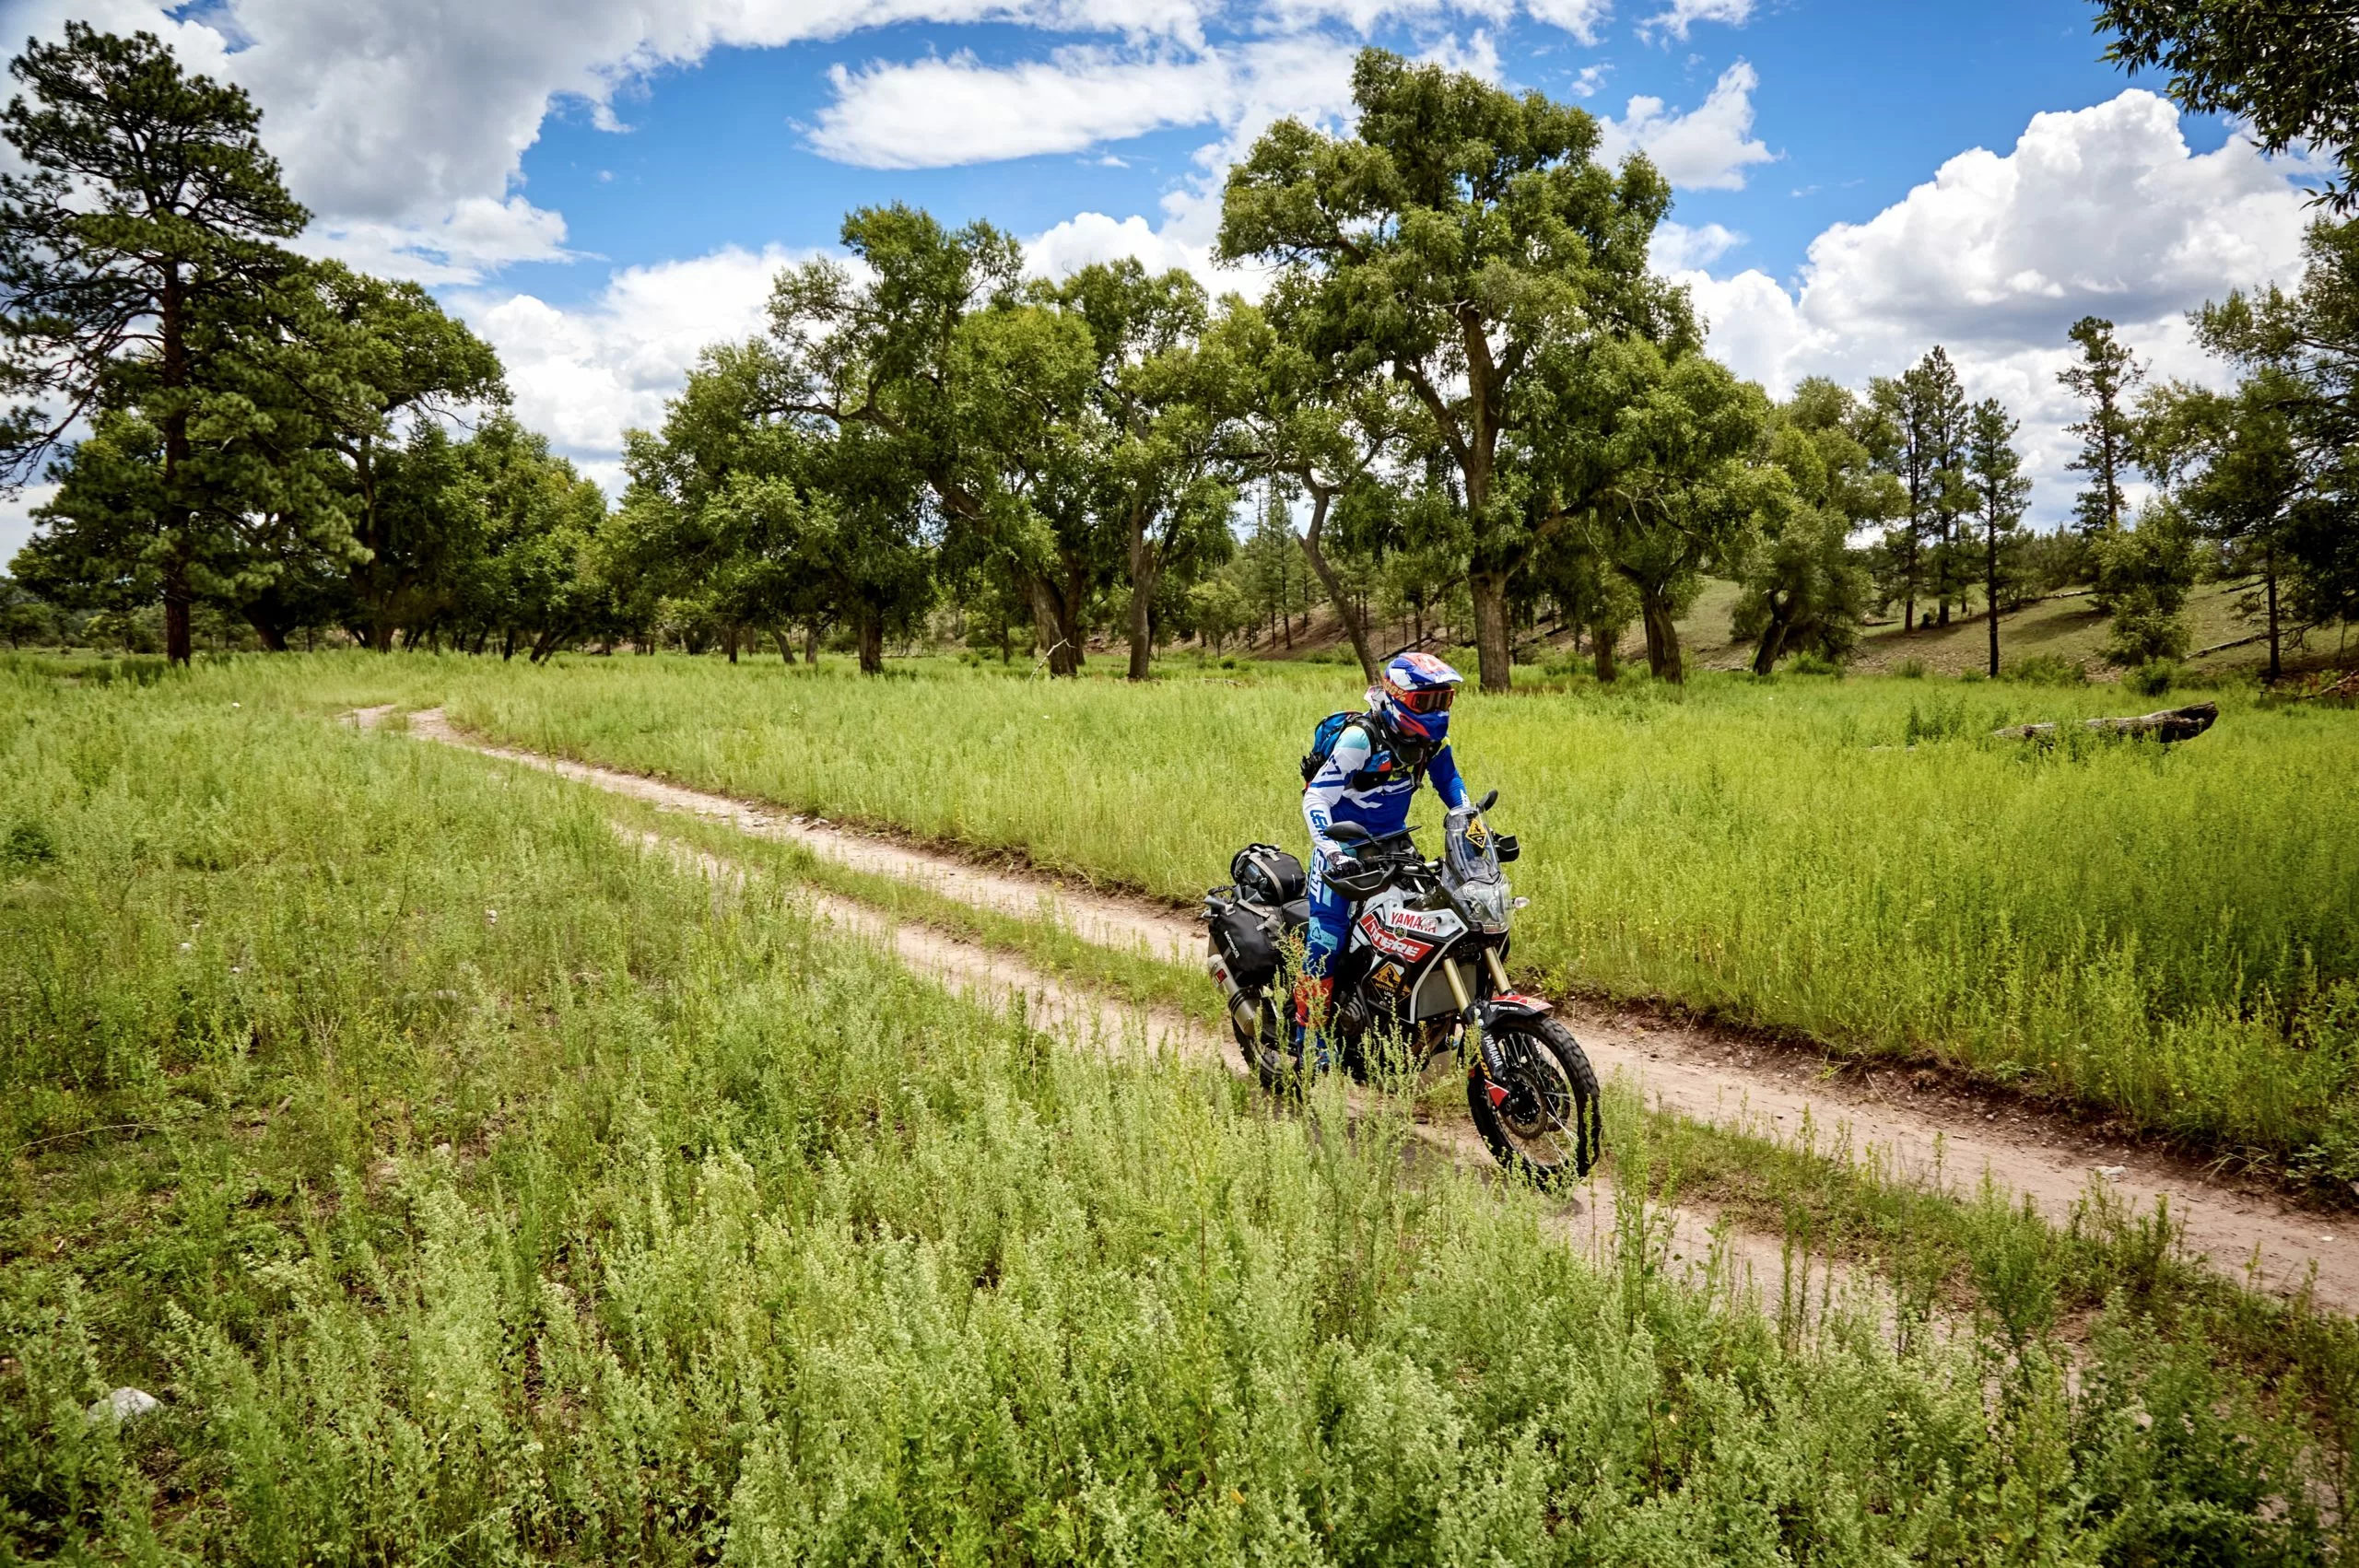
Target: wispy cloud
[{"x": 1680, "y": 15}]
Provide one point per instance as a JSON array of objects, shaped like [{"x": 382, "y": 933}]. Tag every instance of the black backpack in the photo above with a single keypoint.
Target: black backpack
[{"x": 1331, "y": 729}]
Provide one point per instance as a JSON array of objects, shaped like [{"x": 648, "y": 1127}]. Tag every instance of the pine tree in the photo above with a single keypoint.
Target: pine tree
[
  {"x": 2104, "y": 377},
  {"x": 137, "y": 239},
  {"x": 1915, "y": 434},
  {"x": 2000, "y": 490}
]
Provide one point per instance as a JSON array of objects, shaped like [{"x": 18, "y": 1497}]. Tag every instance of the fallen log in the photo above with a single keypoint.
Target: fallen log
[
  {"x": 2224, "y": 647},
  {"x": 2170, "y": 724}
]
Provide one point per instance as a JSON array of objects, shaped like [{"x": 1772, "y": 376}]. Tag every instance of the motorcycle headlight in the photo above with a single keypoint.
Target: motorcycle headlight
[{"x": 1490, "y": 905}]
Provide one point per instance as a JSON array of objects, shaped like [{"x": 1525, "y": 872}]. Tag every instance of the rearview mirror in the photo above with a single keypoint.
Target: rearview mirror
[
  {"x": 1487, "y": 802},
  {"x": 1348, "y": 833}
]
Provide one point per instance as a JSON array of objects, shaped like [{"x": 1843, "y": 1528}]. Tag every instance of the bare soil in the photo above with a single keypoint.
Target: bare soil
[{"x": 1914, "y": 1125}]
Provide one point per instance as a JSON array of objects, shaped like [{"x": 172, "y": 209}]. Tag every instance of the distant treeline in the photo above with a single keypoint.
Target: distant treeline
[{"x": 1465, "y": 401}]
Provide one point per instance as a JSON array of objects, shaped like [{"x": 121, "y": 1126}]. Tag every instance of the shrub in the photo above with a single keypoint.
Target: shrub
[
  {"x": 27, "y": 845},
  {"x": 1910, "y": 668},
  {"x": 2153, "y": 678},
  {"x": 2045, "y": 669},
  {"x": 1814, "y": 664}
]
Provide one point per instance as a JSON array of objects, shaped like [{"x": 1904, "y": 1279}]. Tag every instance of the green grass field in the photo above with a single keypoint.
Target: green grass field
[
  {"x": 477, "y": 1189},
  {"x": 2167, "y": 937}
]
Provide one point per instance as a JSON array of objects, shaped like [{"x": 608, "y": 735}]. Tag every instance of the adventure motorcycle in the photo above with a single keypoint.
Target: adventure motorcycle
[{"x": 1424, "y": 970}]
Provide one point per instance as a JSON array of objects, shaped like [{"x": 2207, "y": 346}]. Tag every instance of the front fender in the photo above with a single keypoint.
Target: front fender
[{"x": 1508, "y": 1005}]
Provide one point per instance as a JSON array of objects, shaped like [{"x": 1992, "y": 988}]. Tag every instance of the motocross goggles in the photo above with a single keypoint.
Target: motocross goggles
[{"x": 1427, "y": 699}]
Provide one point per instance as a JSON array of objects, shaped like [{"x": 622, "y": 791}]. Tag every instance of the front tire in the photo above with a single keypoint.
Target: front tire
[{"x": 1549, "y": 1128}]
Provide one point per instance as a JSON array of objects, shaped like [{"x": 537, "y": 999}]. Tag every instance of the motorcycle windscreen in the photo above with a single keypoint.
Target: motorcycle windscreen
[{"x": 1469, "y": 850}]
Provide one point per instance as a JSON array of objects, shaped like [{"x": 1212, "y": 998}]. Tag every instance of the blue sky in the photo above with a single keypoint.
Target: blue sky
[
  {"x": 1857, "y": 102},
  {"x": 603, "y": 188}
]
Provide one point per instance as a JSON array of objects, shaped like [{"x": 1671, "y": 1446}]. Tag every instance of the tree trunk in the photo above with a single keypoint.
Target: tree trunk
[
  {"x": 1602, "y": 639},
  {"x": 1354, "y": 620},
  {"x": 1048, "y": 627},
  {"x": 785, "y": 644},
  {"x": 2269, "y": 565},
  {"x": 872, "y": 642},
  {"x": 811, "y": 643},
  {"x": 172, "y": 330},
  {"x": 730, "y": 636},
  {"x": 2170, "y": 724},
  {"x": 1991, "y": 589},
  {"x": 1146, "y": 563},
  {"x": 273, "y": 635},
  {"x": 1773, "y": 639},
  {"x": 1949, "y": 530},
  {"x": 1662, "y": 638},
  {"x": 177, "y": 598},
  {"x": 1494, "y": 657}
]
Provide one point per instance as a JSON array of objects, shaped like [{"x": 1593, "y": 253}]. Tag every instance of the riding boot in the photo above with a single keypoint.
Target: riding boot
[{"x": 1311, "y": 995}]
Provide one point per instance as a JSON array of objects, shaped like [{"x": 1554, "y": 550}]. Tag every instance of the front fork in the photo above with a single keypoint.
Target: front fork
[{"x": 1487, "y": 1060}]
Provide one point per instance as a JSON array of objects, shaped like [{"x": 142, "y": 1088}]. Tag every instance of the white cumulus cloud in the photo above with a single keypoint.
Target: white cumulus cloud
[
  {"x": 1707, "y": 148},
  {"x": 392, "y": 116},
  {"x": 934, "y": 112},
  {"x": 1678, "y": 248},
  {"x": 2102, "y": 211},
  {"x": 586, "y": 374}
]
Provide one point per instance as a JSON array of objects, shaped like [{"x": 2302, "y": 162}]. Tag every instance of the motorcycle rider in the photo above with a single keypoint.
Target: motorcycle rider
[{"x": 1370, "y": 778}]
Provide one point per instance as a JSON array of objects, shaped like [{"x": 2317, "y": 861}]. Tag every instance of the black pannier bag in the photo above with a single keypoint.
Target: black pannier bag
[
  {"x": 1268, "y": 875},
  {"x": 1248, "y": 937},
  {"x": 1250, "y": 943}
]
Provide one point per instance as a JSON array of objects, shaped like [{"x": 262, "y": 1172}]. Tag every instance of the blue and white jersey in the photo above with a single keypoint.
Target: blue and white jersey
[{"x": 1369, "y": 784}]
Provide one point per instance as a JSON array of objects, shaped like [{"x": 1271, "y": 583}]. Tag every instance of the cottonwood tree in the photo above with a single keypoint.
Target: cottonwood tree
[
  {"x": 1457, "y": 240},
  {"x": 2105, "y": 379},
  {"x": 377, "y": 363},
  {"x": 760, "y": 515},
  {"x": 1661, "y": 468},
  {"x": 138, "y": 231},
  {"x": 1804, "y": 588},
  {"x": 1338, "y": 438},
  {"x": 976, "y": 391},
  {"x": 534, "y": 588},
  {"x": 2002, "y": 490},
  {"x": 1589, "y": 593},
  {"x": 1160, "y": 398}
]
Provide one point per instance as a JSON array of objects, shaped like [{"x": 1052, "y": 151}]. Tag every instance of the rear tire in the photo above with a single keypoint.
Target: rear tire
[
  {"x": 1269, "y": 1053},
  {"x": 1550, "y": 1128}
]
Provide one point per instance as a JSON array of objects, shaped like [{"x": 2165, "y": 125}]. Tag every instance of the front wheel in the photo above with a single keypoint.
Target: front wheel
[{"x": 1544, "y": 1123}]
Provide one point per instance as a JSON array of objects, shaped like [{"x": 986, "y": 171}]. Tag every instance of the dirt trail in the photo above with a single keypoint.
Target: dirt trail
[{"x": 1721, "y": 1079}]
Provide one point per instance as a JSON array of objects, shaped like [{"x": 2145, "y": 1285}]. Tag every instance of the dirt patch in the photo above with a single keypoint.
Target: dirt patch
[{"x": 1723, "y": 1077}]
